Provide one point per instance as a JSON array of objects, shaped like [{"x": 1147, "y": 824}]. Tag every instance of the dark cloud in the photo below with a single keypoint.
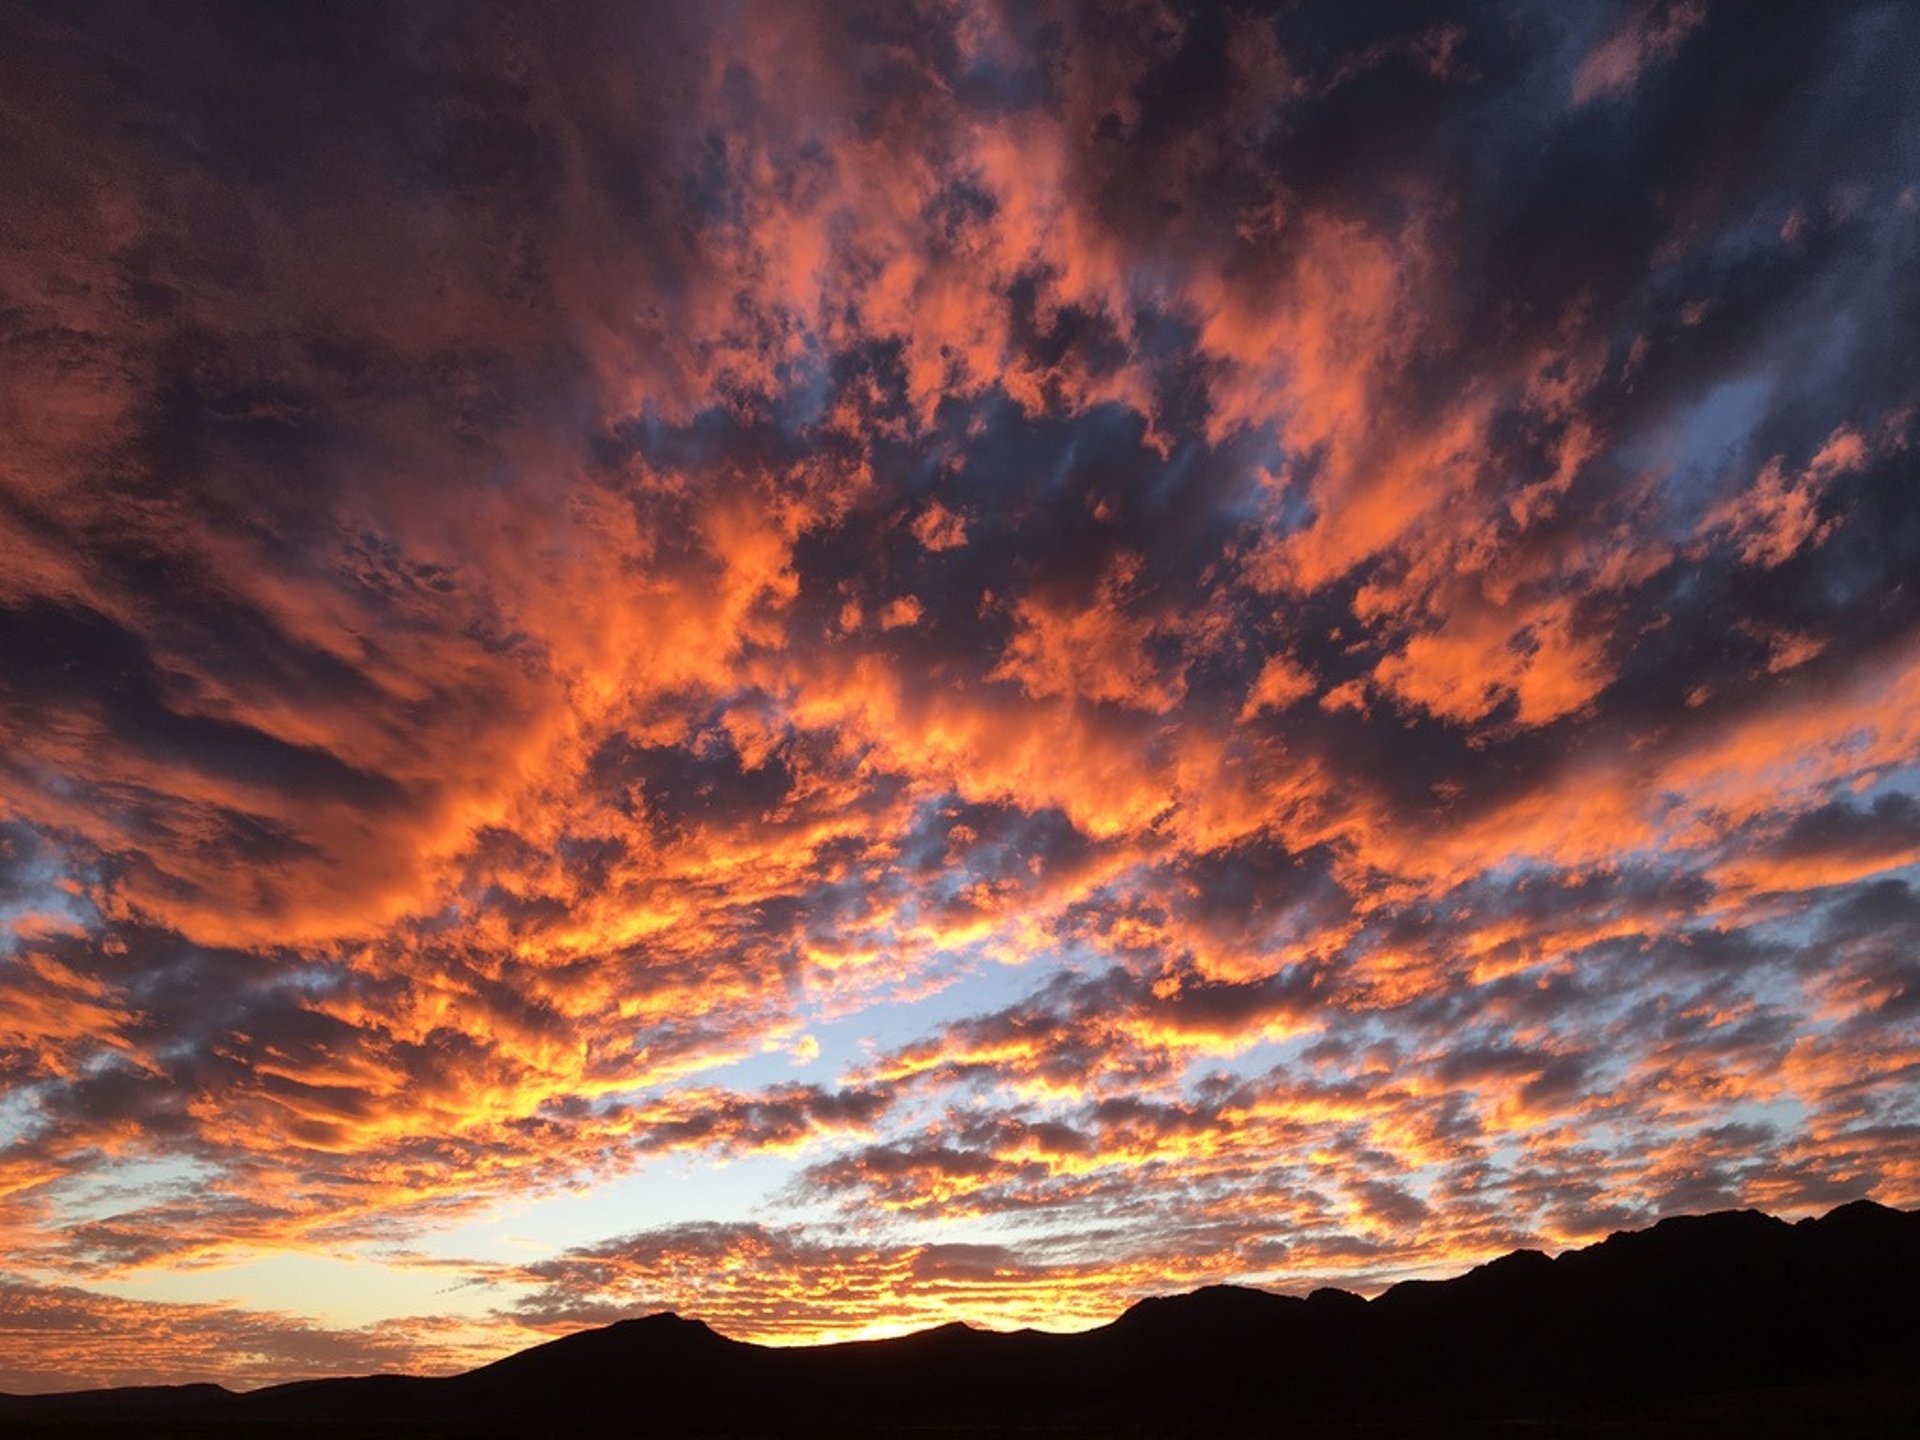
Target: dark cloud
[{"x": 1280, "y": 638}]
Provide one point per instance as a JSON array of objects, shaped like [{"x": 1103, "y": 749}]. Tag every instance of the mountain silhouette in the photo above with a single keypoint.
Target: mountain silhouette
[{"x": 1728, "y": 1324}]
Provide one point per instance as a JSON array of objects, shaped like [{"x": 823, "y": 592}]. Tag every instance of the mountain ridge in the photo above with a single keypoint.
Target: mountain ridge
[{"x": 1691, "y": 1310}]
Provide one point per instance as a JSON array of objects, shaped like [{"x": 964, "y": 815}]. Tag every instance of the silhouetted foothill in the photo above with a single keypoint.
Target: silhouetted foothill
[{"x": 1733, "y": 1323}]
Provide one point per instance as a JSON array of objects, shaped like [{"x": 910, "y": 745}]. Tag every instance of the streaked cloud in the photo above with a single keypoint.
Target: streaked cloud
[{"x": 1018, "y": 656}]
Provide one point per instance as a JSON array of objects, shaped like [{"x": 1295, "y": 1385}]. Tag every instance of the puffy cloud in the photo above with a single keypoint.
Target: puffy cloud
[{"x": 1263, "y": 649}]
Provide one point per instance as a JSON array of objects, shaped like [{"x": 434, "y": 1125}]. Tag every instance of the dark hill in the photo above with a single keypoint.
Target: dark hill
[{"x": 1734, "y": 1324}]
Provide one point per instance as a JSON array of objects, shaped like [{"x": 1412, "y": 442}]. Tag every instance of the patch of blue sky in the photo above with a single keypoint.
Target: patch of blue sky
[
  {"x": 1785, "y": 1114},
  {"x": 1908, "y": 874},
  {"x": 1792, "y": 930},
  {"x": 42, "y": 895},
  {"x": 1254, "y": 1060},
  {"x": 1009, "y": 452},
  {"x": 1702, "y": 449},
  {"x": 806, "y": 388},
  {"x": 310, "y": 977},
  {"x": 850, "y": 1040},
  {"x": 20, "y": 1113},
  {"x": 117, "y": 1186},
  {"x": 1274, "y": 489},
  {"x": 660, "y": 1191},
  {"x": 1901, "y": 779}
]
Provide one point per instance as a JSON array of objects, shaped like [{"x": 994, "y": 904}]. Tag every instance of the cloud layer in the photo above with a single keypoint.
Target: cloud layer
[{"x": 1135, "y": 644}]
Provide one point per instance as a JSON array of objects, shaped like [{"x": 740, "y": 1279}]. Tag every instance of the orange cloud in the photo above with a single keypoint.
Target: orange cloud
[
  {"x": 1226, "y": 645},
  {"x": 1776, "y": 517}
]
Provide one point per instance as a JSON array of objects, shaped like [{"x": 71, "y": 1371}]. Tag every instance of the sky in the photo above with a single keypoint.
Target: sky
[{"x": 843, "y": 667}]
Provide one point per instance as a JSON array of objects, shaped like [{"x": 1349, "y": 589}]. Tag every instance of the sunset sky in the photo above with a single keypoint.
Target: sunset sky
[{"x": 842, "y": 667}]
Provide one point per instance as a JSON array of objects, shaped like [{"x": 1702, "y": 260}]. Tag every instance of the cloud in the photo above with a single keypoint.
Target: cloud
[
  {"x": 65, "y": 1338},
  {"x": 1123, "y": 647},
  {"x": 790, "y": 1284},
  {"x": 1775, "y": 517},
  {"x": 1652, "y": 35}
]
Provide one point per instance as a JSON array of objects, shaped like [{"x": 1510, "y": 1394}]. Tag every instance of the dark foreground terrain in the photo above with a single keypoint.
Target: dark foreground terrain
[{"x": 1732, "y": 1324}]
